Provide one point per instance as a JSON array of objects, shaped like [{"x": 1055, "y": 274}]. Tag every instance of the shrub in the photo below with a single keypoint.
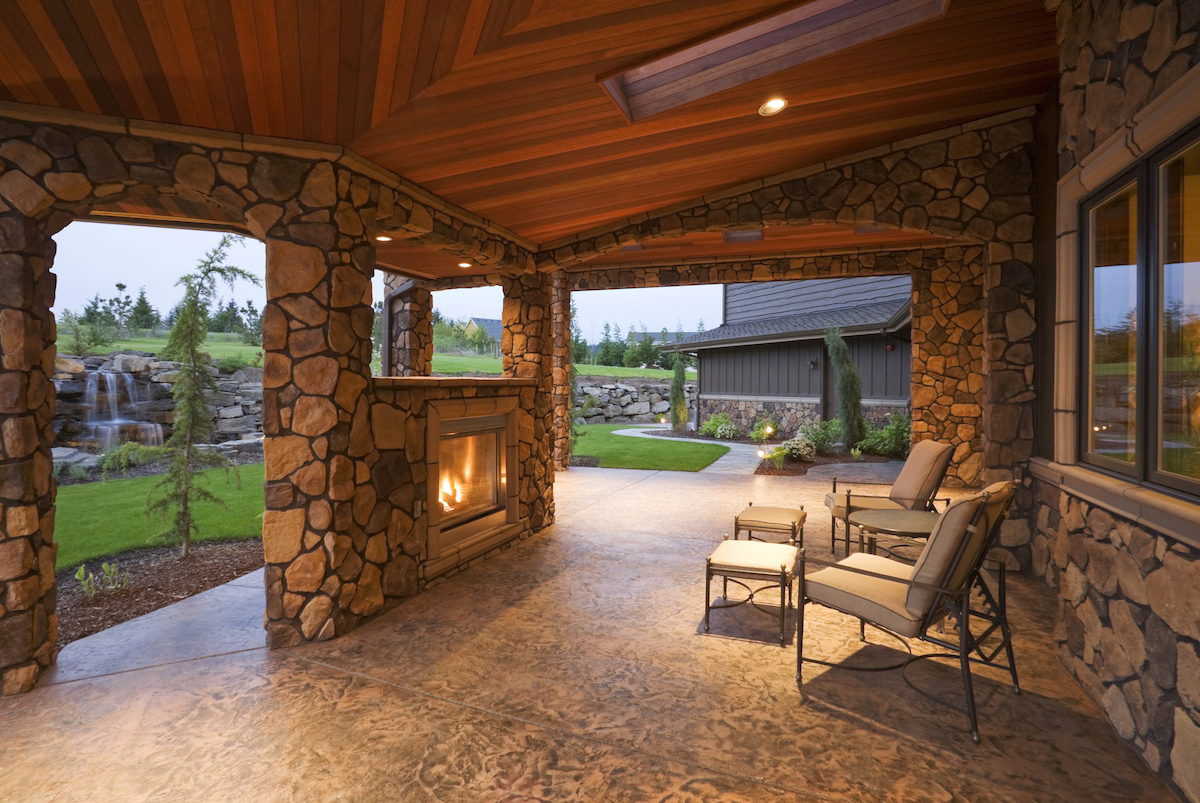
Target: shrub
[
  {"x": 823, "y": 434},
  {"x": 800, "y": 447},
  {"x": 231, "y": 364},
  {"x": 678, "y": 398},
  {"x": 720, "y": 426},
  {"x": 891, "y": 440},
  {"x": 849, "y": 385},
  {"x": 764, "y": 429}
]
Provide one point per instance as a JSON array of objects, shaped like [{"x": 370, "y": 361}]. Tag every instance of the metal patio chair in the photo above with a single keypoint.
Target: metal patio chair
[
  {"x": 907, "y": 600},
  {"x": 919, "y": 480}
]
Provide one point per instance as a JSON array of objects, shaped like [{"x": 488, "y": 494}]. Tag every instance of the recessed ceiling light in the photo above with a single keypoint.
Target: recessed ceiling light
[
  {"x": 383, "y": 238},
  {"x": 772, "y": 106},
  {"x": 464, "y": 264}
]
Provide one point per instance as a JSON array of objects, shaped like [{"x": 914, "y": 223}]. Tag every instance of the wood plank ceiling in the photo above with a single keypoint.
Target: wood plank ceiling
[{"x": 494, "y": 104}]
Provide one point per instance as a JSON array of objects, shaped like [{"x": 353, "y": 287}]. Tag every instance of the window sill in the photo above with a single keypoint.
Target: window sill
[{"x": 1154, "y": 510}]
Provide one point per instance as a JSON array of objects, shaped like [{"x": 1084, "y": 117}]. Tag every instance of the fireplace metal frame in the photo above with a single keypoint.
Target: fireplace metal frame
[{"x": 460, "y": 543}]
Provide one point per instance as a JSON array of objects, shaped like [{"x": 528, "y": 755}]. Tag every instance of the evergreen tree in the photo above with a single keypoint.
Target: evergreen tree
[
  {"x": 143, "y": 315},
  {"x": 849, "y": 388},
  {"x": 606, "y": 353},
  {"x": 667, "y": 359},
  {"x": 178, "y": 489},
  {"x": 252, "y": 330},
  {"x": 678, "y": 398},
  {"x": 580, "y": 353},
  {"x": 120, "y": 307}
]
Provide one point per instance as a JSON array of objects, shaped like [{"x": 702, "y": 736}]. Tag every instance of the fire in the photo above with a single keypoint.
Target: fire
[{"x": 450, "y": 493}]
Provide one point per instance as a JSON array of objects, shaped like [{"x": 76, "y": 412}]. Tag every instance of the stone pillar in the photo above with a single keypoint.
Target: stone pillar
[
  {"x": 409, "y": 328},
  {"x": 28, "y": 623},
  {"x": 527, "y": 346},
  {"x": 947, "y": 367},
  {"x": 323, "y": 531},
  {"x": 562, "y": 374}
]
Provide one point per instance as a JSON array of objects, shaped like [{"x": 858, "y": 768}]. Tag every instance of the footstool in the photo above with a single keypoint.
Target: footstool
[
  {"x": 774, "y": 564},
  {"x": 787, "y": 521}
]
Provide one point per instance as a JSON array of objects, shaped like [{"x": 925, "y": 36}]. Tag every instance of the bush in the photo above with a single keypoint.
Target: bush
[
  {"x": 849, "y": 385},
  {"x": 720, "y": 426},
  {"x": 891, "y": 440},
  {"x": 800, "y": 447},
  {"x": 231, "y": 364},
  {"x": 823, "y": 434},
  {"x": 764, "y": 429}
]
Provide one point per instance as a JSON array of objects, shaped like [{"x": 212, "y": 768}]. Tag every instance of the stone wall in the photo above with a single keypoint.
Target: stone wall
[
  {"x": 789, "y": 415},
  {"x": 409, "y": 350},
  {"x": 628, "y": 402},
  {"x": 1115, "y": 56},
  {"x": 1128, "y": 626}
]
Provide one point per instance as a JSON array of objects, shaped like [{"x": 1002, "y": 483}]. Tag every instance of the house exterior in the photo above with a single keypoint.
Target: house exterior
[
  {"x": 493, "y": 326},
  {"x": 768, "y": 358}
]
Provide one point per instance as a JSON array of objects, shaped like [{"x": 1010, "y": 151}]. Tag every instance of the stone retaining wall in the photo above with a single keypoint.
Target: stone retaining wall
[
  {"x": 629, "y": 403},
  {"x": 790, "y": 415},
  {"x": 1128, "y": 627}
]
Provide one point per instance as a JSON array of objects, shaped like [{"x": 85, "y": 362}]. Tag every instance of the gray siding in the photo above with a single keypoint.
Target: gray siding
[
  {"x": 782, "y": 369},
  {"x": 758, "y": 301}
]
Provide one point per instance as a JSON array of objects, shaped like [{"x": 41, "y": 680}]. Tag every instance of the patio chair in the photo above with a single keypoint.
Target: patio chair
[
  {"x": 907, "y": 600},
  {"x": 919, "y": 480}
]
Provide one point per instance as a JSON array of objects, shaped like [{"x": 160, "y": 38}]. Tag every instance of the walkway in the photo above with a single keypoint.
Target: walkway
[
  {"x": 573, "y": 666},
  {"x": 742, "y": 458}
]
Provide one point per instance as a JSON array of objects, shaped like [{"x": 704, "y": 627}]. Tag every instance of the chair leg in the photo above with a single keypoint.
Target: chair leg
[
  {"x": 782, "y": 608},
  {"x": 800, "y": 632},
  {"x": 862, "y": 629},
  {"x": 1002, "y": 604},
  {"x": 833, "y": 535},
  {"x": 964, "y": 658},
  {"x": 707, "y": 595}
]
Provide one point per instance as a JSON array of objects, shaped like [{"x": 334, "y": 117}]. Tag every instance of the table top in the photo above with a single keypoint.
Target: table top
[{"x": 912, "y": 523}]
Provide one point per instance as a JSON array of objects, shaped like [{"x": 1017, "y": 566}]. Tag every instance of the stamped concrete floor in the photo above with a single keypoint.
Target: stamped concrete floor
[{"x": 571, "y": 667}]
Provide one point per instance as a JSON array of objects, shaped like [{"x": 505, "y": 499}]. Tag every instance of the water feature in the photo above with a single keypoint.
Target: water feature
[{"x": 113, "y": 414}]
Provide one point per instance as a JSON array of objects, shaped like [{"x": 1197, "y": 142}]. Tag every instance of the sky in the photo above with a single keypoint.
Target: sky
[{"x": 93, "y": 257}]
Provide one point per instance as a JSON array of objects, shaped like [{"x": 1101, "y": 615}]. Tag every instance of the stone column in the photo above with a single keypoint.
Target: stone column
[
  {"x": 410, "y": 328},
  {"x": 323, "y": 531},
  {"x": 560, "y": 326},
  {"x": 526, "y": 343},
  {"x": 28, "y": 623}
]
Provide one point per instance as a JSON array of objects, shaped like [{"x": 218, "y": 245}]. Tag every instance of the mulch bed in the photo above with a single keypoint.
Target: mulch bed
[
  {"x": 694, "y": 435},
  {"x": 157, "y": 577},
  {"x": 585, "y": 462},
  {"x": 793, "y": 468},
  {"x": 151, "y": 469}
]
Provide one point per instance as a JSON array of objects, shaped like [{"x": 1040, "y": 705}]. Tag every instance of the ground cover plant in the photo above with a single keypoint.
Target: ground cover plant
[
  {"x": 622, "y": 451},
  {"x": 99, "y": 519}
]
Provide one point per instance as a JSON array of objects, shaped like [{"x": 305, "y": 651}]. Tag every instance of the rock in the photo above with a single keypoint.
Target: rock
[
  {"x": 282, "y": 534},
  {"x": 1119, "y": 715},
  {"x": 637, "y": 408},
  {"x": 16, "y": 558},
  {"x": 660, "y": 407},
  {"x": 306, "y": 572},
  {"x": 314, "y": 615},
  {"x": 65, "y": 364},
  {"x": 1174, "y": 594},
  {"x": 1185, "y": 755},
  {"x": 1187, "y": 676}
]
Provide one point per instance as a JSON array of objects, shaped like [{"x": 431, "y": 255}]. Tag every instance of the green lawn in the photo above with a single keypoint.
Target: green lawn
[
  {"x": 216, "y": 348},
  {"x": 490, "y": 366},
  {"x": 622, "y": 451},
  {"x": 102, "y": 518}
]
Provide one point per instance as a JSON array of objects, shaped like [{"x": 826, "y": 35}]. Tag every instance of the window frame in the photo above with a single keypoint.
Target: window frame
[{"x": 1147, "y": 172}]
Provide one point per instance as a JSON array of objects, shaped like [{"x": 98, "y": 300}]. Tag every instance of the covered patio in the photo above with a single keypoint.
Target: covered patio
[
  {"x": 436, "y": 634},
  {"x": 571, "y": 667}
]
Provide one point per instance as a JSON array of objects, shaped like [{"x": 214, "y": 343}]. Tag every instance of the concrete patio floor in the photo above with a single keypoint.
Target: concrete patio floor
[{"x": 573, "y": 666}]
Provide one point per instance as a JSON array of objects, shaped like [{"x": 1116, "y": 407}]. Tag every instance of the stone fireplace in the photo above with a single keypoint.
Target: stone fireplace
[{"x": 471, "y": 451}]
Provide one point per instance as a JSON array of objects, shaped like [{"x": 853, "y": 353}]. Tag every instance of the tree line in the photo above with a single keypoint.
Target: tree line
[{"x": 633, "y": 351}]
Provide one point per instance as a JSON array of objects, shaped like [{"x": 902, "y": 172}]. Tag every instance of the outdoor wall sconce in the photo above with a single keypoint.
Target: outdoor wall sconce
[
  {"x": 891, "y": 346},
  {"x": 812, "y": 363}
]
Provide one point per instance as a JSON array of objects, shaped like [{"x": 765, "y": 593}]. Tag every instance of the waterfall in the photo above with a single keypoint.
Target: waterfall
[{"x": 113, "y": 430}]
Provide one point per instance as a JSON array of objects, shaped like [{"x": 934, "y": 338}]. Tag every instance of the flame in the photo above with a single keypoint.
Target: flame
[{"x": 450, "y": 493}]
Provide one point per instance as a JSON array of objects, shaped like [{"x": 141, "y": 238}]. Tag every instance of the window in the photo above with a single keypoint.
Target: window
[{"x": 1142, "y": 313}]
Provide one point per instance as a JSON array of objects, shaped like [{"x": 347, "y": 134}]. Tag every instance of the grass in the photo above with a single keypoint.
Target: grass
[
  {"x": 622, "y": 451},
  {"x": 98, "y": 519},
  {"x": 491, "y": 366},
  {"x": 217, "y": 348}
]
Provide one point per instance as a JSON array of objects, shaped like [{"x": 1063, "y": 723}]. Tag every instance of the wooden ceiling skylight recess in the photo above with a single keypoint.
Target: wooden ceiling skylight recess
[{"x": 767, "y": 45}]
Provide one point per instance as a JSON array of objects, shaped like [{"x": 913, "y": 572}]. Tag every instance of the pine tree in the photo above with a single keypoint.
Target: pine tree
[
  {"x": 580, "y": 353},
  {"x": 178, "y": 489},
  {"x": 849, "y": 388},
  {"x": 143, "y": 315}
]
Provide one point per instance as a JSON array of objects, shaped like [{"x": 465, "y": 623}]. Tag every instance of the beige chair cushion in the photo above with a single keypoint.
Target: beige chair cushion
[
  {"x": 871, "y": 598},
  {"x": 757, "y": 517},
  {"x": 933, "y": 565},
  {"x": 754, "y": 556},
  {"x": 837, "y": 503},
  {"x": 922, "y": 474}
]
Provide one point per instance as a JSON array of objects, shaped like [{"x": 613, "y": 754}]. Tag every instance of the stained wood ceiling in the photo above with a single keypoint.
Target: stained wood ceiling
[{"x": 494, "y": 104}]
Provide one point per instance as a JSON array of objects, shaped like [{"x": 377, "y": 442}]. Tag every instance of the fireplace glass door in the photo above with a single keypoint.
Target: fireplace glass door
[{"x": 471, "y": 481}]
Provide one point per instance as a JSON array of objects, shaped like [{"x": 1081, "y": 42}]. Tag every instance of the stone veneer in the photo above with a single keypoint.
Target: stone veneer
[
  {"x": 1128, "y": 626},
  {"x": 326, "y": 528},
  {"x": 789, "y": 414}
]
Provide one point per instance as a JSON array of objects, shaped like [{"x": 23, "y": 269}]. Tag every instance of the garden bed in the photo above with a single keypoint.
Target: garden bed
[
  {"x": 157, "y": 577},
  {"x": 798, "y": 468}
]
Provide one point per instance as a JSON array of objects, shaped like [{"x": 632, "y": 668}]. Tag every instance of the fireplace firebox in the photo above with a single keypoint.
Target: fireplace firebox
[{"x": 472, "y": 482}]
